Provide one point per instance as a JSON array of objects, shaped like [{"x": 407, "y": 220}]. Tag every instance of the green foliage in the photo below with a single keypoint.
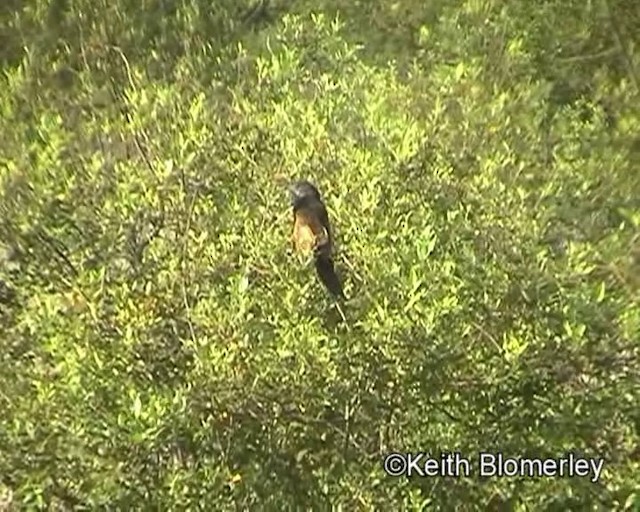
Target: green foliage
[{"x": 162, "y": 349}]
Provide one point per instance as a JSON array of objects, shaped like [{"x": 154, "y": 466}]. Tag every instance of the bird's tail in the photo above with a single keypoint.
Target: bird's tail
[{"x": 327, "y": 274}]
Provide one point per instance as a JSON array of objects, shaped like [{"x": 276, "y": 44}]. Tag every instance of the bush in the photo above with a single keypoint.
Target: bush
[{"x": 161, "y": 348}]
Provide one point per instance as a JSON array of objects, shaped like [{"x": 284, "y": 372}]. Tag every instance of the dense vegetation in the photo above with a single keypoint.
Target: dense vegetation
[{"x": 162, "y": 349}]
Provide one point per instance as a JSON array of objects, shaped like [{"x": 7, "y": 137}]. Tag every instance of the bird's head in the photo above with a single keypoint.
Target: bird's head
[{"x": 301, "y": 192}]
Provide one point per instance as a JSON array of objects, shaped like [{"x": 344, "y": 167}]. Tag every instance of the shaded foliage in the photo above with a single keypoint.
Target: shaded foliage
[{"x": 160, "y": 347}]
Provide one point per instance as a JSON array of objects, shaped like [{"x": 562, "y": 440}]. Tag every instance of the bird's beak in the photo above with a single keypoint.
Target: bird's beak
[{"x": 292, "y": 189}]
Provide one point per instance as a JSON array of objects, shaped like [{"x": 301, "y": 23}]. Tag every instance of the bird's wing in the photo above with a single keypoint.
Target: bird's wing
[{"x": 309, "y": 232}]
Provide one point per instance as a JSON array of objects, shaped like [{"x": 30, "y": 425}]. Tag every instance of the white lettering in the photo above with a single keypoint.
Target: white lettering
[
  {"x": 497, "y": 465},
  {"x": 488, "y": 465}
]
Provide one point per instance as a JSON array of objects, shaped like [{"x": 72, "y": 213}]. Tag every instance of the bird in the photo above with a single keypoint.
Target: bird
[{"x": 312, "y": 233}]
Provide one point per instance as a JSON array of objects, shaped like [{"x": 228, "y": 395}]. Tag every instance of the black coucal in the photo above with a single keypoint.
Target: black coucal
[{"x": 312, "y": 232}]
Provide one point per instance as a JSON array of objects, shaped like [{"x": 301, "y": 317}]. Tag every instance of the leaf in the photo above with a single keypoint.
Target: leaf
[{"x": 137, "y": 406}]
